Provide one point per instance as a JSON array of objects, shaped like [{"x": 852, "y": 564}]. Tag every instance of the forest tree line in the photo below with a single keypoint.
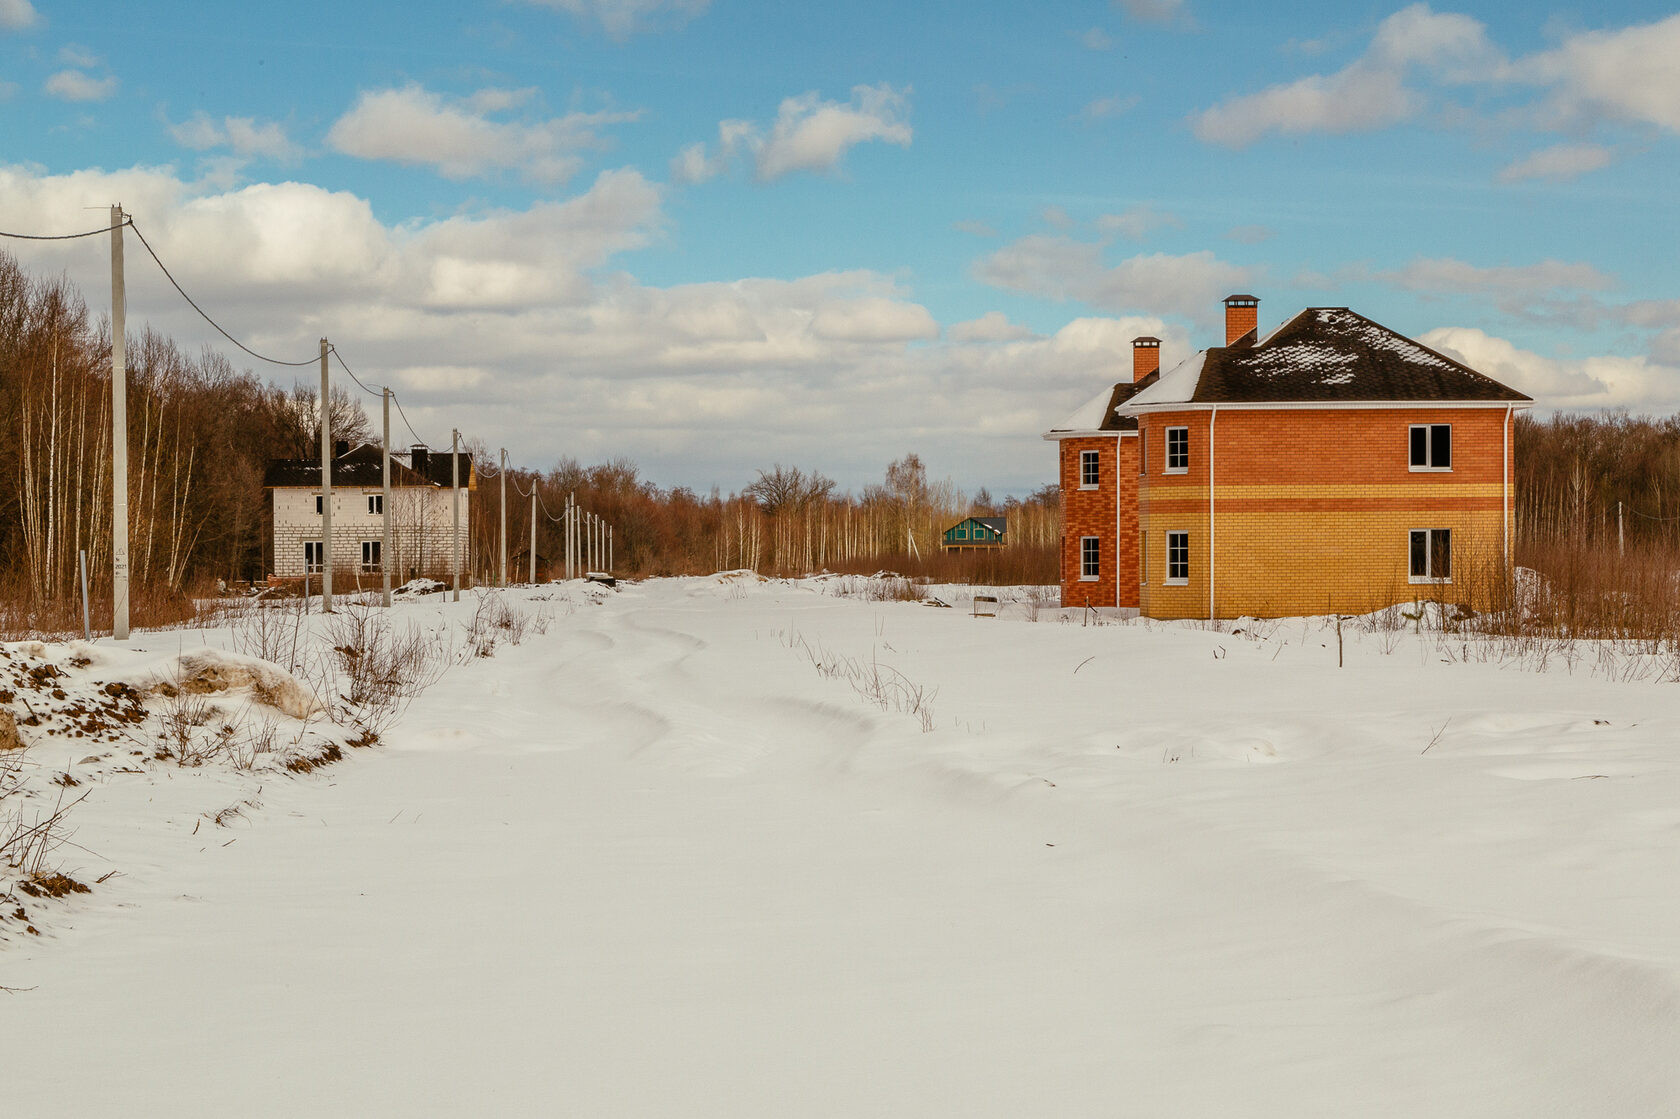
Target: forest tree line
[{"x": 202, "y": 432}]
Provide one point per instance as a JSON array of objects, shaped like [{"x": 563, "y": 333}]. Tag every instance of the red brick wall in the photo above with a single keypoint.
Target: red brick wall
[{"x": 1088, "y": 513}]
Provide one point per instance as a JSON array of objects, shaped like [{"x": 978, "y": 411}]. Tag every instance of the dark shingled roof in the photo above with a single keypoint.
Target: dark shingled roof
[
  {"x": 996, "y": 524},
  {"x": 1332, "y": 353},
  {"x": 360, "y": 467},
  {"x": 1123, "y": 392}
]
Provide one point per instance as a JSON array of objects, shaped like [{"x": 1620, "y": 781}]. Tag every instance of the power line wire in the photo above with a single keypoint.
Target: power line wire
[
  {"x": 338, "y": 357},
  {"x": 66, "y": 236},
  {"x": 205, "y": 315}
]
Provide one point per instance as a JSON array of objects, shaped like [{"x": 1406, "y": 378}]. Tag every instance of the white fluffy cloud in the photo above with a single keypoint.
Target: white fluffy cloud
[
  {"x": 418, "y": 127},
  {"x": 18, "y": 15},
  {"x": 1625, "y": 75},
  {"x": 1138, "y": 222},
  {"x": 1063, "y": 268},
  {"x": 623, "y": 18},
  {"x": 808, "y": 134},
  {"x": 1628, "y": 74},
  {"x": 1637, "y": 383},
  {"x": 245, "y": 136},
  {"x": 1445, "y": 275},
  {"x": 1560, "y": 161},
  {"x": 1151, "y": 11},
  {"x": 519, "y": 327},
  {"x": 77, "y": 85},
  {"x": 1369, "y": 93}
]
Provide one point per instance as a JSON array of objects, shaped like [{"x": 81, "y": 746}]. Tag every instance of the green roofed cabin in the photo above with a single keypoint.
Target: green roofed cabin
[{"x": 975, "y": 533}]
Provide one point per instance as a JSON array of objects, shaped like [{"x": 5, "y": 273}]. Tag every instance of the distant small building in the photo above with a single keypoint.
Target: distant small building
[
  {"x": 975, "y": 533},
  {"x": 421, "y": 514}
]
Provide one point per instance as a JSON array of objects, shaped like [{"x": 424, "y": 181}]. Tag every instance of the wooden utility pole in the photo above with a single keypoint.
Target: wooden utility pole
[
  {"x": 385, "y": 499},
  {"x": 455, "y": 499},
  {"x": 326, "y": 487},
  {"x": 504, "y": 517},
  {"x": 119, "y": 434}
]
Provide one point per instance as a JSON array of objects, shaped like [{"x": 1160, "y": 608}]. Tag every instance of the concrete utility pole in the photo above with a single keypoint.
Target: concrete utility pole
[
  {"x": 566, "y": 534},
  {"x": 504, "y": 516},
  {"x": 533, "y": 531},
  {"x": 609, "y": 550},
  {"x": 385, "y": 500},
  {"x": 455, "y": 498},
  {"x": 119, "y": 434},
  {"x": 326, "y": 487}
]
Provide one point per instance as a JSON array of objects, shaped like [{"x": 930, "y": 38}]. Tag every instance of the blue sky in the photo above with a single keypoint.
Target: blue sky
[{"x": 711, "y": 235}]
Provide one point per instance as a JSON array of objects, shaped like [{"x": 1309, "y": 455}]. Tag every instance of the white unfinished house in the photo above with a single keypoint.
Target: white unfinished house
[{"x": 421, "y": 515}]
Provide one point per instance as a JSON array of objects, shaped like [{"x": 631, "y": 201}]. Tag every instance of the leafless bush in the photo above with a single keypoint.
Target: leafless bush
[
  {"x": 29, "y": 837},
  {"x": 496, "y": 620},
  {"x": 381, "y": 670},
  {"x": 270, "y": 632}
]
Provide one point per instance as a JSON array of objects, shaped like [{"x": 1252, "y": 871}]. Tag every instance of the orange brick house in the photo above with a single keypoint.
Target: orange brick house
[{"x": 1332, "y": 466}]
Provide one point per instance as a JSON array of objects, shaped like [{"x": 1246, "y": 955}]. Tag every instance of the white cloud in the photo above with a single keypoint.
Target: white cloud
[
  {"x": 623, "y": 18},
  {"x": 808, "y": 134},
  {"x": 1137, "y": 222},
  {"x": 1370, "y": 92},
  {"x": 1561, "y": 161},
  {"x": 1635, "y": 383},
  {"x": 72, "y": 54},
  {"x": 1627, "y": 74},
  {"x": 975, "y": 228},
  {"x": 1445, "y": 275},
  {"x": 18, "y": 15},
  {"x": 1151, "y": 11},
  {"x": 520, "y": 327},
  {"x": 1062, "y": 268},
  {"x": 1055, "y": 217},
  {"x": 1250, "y": 234},
  {"x": 74, "y": 85},
  {"x": 418, "y": 127},
  {"x": 993, "y": 326},
  {"x": 1097, "y": 39},
  {"x": 244, "y": 135},
  {"x": 1106, "y": 108}
]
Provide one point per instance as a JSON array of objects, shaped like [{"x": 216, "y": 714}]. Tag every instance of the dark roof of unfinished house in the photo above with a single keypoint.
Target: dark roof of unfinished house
[
  {"x": 360, "y": 467},
  {"x": 998, "y": 525},
  {"x": 1334, "y": 354}
]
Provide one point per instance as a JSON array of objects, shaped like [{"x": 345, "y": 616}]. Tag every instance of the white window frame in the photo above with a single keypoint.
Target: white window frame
[
  {"x": 313, "y": 566},
  {"x": 376, "y": 504},
  {"x": 1170, "y": 468},
  {"x": 1172, "y": 580},
  {"x": 1090, "y": 570},
  {"x": 371, "y": 556},
  {"x": 1093, "y": 459},
  {"x": 1429, "y": 466},
  {"x": 1431, "y": 579}
]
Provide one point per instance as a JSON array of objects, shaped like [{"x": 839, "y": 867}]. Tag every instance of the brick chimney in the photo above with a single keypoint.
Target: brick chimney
[
  {"x": 1242, "y": 316},
  {"x": 1146, "y": 357},
  {"x": 417, "y": 458}
]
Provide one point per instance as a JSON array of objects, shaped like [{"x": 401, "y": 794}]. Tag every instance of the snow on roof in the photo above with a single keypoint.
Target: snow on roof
[
  {"x": 1177, "y": 385},
  {"x": 1090, "y": 415}
]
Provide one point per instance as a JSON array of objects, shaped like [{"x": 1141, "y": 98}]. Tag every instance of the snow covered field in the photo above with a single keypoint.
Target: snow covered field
[{"x": 732, "y": 847}]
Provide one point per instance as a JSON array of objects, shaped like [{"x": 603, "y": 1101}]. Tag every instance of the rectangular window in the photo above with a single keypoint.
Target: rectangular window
[
  {"x": 1089, "y": 558},
  {"x": 1431, "y": 446},
  {"x": 311, "y": 557},
  {"x": 962, "y": 533},
  {"x": 1431, "y": 555},
  {"x": 1178, "y": 559},
  {"x": 1088, "y": 470},
  {"x": 1178, "y": 450},
  {"x": 376, "y": 504},
  {"x": 370, "y": 556},
  {"x": 317, "y": 505}
]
